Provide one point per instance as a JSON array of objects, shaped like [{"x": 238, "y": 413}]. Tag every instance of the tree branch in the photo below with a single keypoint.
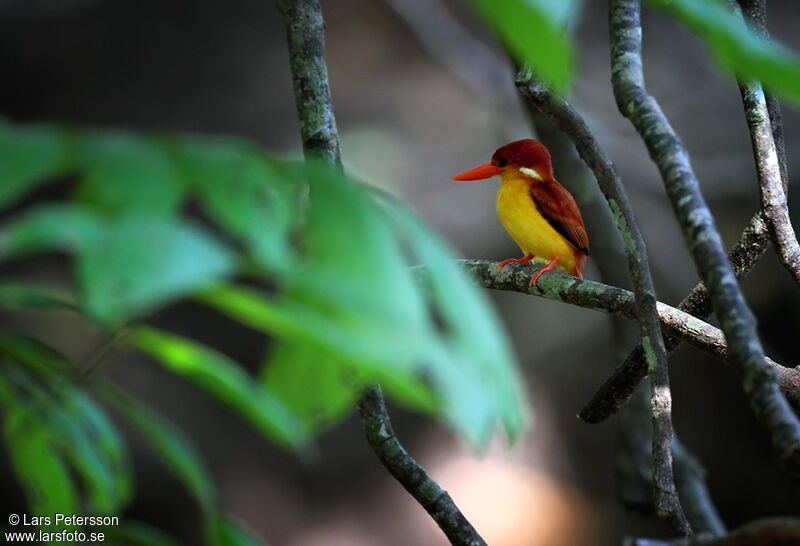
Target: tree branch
[
  {"x": 305, "y": 28},
  {"x": 626, "y": 378},
  {"x": 305, "y": 32},
  {"x": 702, "y": 238},
  {"x": 609, "y": 299},
  {"x": 435, "y": 500},
  {"x": 563, "y": 116},
  {"x": 772, "y": 179},
  {"x": 633, "y": 467},
  {"x": 752, "y": 245},
  {"x": 764, "y": 532},
  {"x": 690, "y": 479}
]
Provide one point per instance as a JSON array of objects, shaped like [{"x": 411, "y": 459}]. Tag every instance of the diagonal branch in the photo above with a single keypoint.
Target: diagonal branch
[
  {"x": 627, "y": 377},
  {"x": 563, "y": 116},
  {"x": 702, "y": 238},
  {"x": 435, "y": 500},
  {"x": 619, "y": 302},
  {"x": 752, "y": 245},
  {"x": 633, "y": 459},
  {"x": 305, "y": 28}
]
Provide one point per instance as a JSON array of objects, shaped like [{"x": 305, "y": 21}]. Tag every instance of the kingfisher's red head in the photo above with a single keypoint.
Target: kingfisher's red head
[{"x": 527, "y": 156}]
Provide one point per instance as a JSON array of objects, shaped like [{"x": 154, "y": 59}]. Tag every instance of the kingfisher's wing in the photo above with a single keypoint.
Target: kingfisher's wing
[{"x": 559, "y": 208}]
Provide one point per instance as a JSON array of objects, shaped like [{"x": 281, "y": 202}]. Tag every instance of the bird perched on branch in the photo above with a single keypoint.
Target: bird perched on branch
[{"x": 538, "y": 212}]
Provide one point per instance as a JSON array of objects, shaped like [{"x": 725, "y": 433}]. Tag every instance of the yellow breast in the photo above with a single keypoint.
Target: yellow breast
[{"x": 528, "y": 228}]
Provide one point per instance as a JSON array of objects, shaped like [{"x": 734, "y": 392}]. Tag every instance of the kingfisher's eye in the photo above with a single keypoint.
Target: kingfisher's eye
[{"x": 502, "y": 161}]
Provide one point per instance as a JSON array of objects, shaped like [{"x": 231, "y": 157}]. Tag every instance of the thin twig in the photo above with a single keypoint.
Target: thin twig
[
  {"x": 563, "y": 116},
  {"x": 626, "y": 378},
  {"x": 771, "y": 177},
  {"x": 633, "y": 466},
  {"x": 617, "y": 301},
  {"x": 690, "y": 479},
  {"x": 435, "y": 500},
  {"x": 305, "y": 29},
  {"x": 763, "y": 532},
  {"x": 702, "y": 238},
  {"x": 752, "y": 245},
  {"x": 756, "y": 13}
]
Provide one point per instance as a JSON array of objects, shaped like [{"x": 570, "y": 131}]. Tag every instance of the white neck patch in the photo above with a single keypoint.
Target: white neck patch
[{"x": 531, "y": 173}]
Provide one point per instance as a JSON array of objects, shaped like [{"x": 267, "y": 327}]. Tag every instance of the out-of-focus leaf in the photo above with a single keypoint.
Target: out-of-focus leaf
[
  {"x": 18, "y": 295},
  {"x": 49, "y": 227},
  {"x": 316, "y": 386},
  {"x": 354, "y": 268},
  {"x": 40, "y": 469},
  {"x": 384, "y": 348},
  {"x": 246, "y": 194},
  {"x": 353, "y": 302},
  {"x": 225, "y": 380},
  {"x": 139, "y": 262},
  {"x": 126, "y": 173},
  {"x": 76, "y": 428},
  {"x": 32, "y": 353},
  {"x": 168, "y": 442},
  {"x": 735, "y": 46},
  {"x": 28, "y": 156},
  {"x": 534, "y": 32},
  {"x": 472, "y": 361},
  {"x": 133, "y": 533},
  {"x": 225, "y": 531}
]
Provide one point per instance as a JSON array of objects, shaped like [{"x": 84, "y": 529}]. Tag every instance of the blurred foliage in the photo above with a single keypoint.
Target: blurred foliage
[
  {"x": 535, "y": 32},
  {"x": 320, "y": 263},
  {"x": 736, "y": 47}
]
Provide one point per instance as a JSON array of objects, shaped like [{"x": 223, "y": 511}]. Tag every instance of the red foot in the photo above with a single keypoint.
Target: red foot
[
  {"x": 504, "y": 263},
  {"x": 548, "y": 267}
]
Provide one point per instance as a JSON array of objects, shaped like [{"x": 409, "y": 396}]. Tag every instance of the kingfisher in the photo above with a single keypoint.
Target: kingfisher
[{"x": 539, "y": 213}]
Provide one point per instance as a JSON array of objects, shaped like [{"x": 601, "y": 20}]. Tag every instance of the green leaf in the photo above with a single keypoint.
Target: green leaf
[
  {"x": 471, "y": 360},
  {"x": 138, "y": 263},
  {"x": 29, "y": 156},
  {"x": 78, "y": 430},
  {"x": 384, "y": 355},
  {"x": 354, "y": 266},
  {"x": 49, "y": 227},
  {"x": 735, "y": 46},
  {"x": 226, "y": 531},
  {"x": 315, "y": 385},
  {"x": 19, "y": 295},
  {"x": 40, "y": 469},
  {"x": 365, "y": 343},
  {"x": 32, "y": 353},
  {"x": 222, "y": 378},
  {"x": 76, "y": 426},
  {"x": 534, "y": 33},
  {"x": 249, "y": 196},
  {"x": 128, "y": 173},
  {"x": 168, "y": 442}
]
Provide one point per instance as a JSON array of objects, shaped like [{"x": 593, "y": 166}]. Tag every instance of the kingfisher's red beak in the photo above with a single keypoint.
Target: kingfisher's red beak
[{"x": 478, "y": 173}]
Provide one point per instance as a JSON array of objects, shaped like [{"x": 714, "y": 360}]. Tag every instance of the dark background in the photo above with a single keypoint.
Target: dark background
[{"x": 408, "y": 120}]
